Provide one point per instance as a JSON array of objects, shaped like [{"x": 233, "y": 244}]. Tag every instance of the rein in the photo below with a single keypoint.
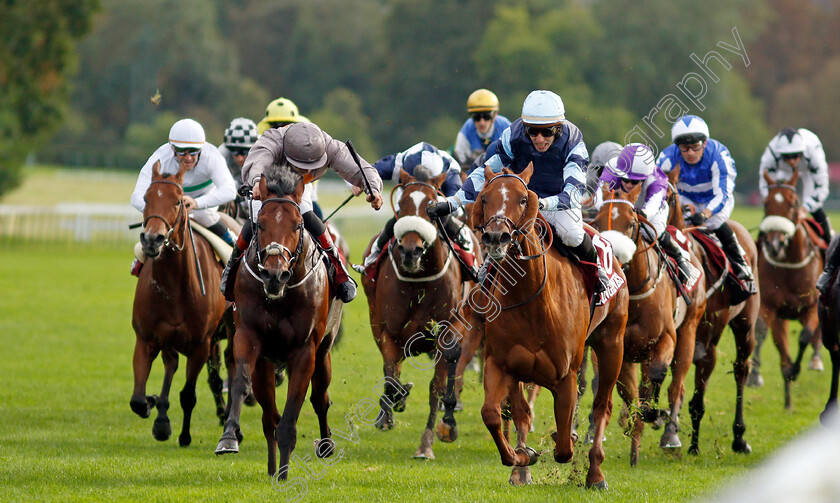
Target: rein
[{"x": 799, "y": 226}]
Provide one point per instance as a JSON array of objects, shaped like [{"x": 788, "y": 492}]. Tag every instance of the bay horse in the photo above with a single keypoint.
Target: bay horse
[
  {"x": 788, "y": 267},
  {"x": 720, "y": 312},
  {"x": 543, "y": 323},
  {"x": 410, "y": 298},
  {"x": 661, "y": 326},
  {"x": 829, "y": 315},
  {"x": 177, "y": 305},
  {"x": 286, "y": 314}
]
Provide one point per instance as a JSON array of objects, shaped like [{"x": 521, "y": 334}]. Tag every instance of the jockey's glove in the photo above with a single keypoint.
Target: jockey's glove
[
  {"x": 439, "y": 209},
  {"x": 698, "y": 219}
]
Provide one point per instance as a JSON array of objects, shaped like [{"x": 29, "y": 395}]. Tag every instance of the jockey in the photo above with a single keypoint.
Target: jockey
[
  {"x": 602, "y": 153},
  {"x": 483, "y": 127},
  {"x": 309, "y": 151},
  {"x": 791, "y": 150},
  {"x": 635, "y": 164},
  {"x": 542, "y": 136},
  {"x": 207, "y": 182},
  {"x": 239, "y": 137},
  {"x": 435, "y": 161},
  {"x": 706, "y": 181},
  {"x": 280, "y": 112}
]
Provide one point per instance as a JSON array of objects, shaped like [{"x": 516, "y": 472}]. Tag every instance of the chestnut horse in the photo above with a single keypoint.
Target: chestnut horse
[
  {"x": 788, "y": 267},
  {"x": 177, "y": 304},
  {"x": 720, "y": 312},
  {"x": 418, "y": 287},
  {"x": 829, "y": 315},
  {"x": 543, "y": 322},
  {"x": 286, "y": 314},
  {"x": 660, "y": 327}
]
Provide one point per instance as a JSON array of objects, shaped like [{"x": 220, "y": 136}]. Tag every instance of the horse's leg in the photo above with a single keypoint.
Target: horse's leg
[
  {"x": 300, "y": 368},
  {"x": 246, "y": 348},
  {"x": 391, "y": 355},
  {"x": 609, "y": 349},
  {"x": 453, "y": 362},
  {"x": 320, "y": 399},
  {"x": 810, "y": 334},
  {"x": 437, "y": 387},
  {"x": 790, "y": 371},
  {"x": 162, "y": 429},
  {"x": 263, "y": 391},
  {"x": 533, "y": 393},
  {"x": 590, "y": 431},
  {"x": 754, "y": 379},
  {"x": 660, "y": 358},
  {"x": 628, "y": 390},
  {"x": 743, "y": 328},
  {"x": 564, "y": 408},
  {"x": 521, "y": 412},
  {"x": 144, "y": 355},
  {"x": 831, "y": 339},
  {"x": 680, "y": 366},
  {"x": 497, "y": 386},
  {"x": 214, "y": 367},
  {"x": 194, "y": 363},
  {"x": 702, "y": 370}
]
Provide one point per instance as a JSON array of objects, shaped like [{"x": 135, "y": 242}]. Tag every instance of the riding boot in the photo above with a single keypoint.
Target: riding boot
[
  {"x": 687, "y": 270},
  {"x": 822, "y": 219},
  {"x": 586, "y": 252},
  {"x": 229, "y": 274},
  {"x": 734, "y": 251},
  {"x": 221, "y": 230},
  {"x": 345, "y": 286},
  {"x": 459, "y": 233},
  {"x": 377, "y": 246},
  {"x": 831, "y": 263}
]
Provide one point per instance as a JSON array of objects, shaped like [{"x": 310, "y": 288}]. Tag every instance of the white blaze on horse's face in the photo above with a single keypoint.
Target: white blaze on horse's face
[
  {"x": 779, "y": 197},
  {"x": 615, "y": 213},
  {"x": 504, "y": 192},
  {"x": 278, "y": 217},
  {"x": 418, "y": 197}
]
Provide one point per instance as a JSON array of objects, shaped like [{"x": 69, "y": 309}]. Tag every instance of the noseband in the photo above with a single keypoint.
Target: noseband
[{"x": 170, "y": 227}]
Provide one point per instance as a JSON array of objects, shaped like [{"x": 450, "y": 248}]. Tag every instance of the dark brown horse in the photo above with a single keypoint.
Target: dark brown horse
[
  {"x": 829, "y": 314},
  {"x": 788, "y": 267},
  {"x": 661, "y": 326},
  {"x": 177, "y": 304},
  {"x": 539, "y": 332},
  {"x": 720, "y": 312},
  {"x": 411, "y": 298},
  {"x": 286, "y": 314}
]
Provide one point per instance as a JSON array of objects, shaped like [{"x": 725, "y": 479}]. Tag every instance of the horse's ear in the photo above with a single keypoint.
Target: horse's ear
[
  {"x": 634, "y": 194},
  {"x": 792, "y": 181},
  {"x": 533, "y": 206},
  {"x": 526, "y": 174},
  {"x": 477, "y": 213},
  {"x": 263, "y": 186},
  {"x": 299, "y": 188},
  {"x": 438, "y": 180},
  {"x": 488, "y": 174},
  {"x": 405, "y": 177},
  {"x": 769, "y": 179},
  {"x": 674, "y": 175},
  {"x": 156, "y": 170}
]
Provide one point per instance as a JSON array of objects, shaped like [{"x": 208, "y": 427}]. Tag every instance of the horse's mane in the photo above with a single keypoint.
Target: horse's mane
[
  {"x": 281, "y": 180},
  {"x": 422, "y": 173}
]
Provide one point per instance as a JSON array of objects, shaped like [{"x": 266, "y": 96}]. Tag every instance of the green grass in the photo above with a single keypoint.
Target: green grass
[{"x": 69, "y": 433}]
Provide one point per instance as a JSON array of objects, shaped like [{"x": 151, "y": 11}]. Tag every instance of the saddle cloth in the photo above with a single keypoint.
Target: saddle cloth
[{"x": 711, "y": 244}]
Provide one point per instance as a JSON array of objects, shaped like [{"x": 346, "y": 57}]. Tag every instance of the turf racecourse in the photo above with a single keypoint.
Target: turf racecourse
[{"x": 69, "y": 433}]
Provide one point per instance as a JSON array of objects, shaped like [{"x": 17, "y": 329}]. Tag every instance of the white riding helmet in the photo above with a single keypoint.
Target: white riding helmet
[
  {"x": 788, "y": 141},
  {"x": 604, "y": 152},
  {"x": 186, "y": 133},
  {"x": 689, "y": 129},
  {"x": 635, "y": 162},
  {"x": 543, "y": 108},
  {"x": 241, "y": 132}
]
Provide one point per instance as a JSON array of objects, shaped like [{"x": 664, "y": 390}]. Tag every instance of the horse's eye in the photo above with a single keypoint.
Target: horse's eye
[
  {"x": 483, "y": 200},
  {"x": 524, "y": 201}
]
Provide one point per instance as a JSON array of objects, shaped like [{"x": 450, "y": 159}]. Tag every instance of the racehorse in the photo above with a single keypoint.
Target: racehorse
[
  {"x": 541, "y": 326},
  {"x": 177, "y": 304},
  {"x": 286, "y": 314},
  {"x": 788, "y": 267},
  {"x": 417, "y": 288},
  {"x": 829, "y": 315},
  {"x": 720, "y": 312},
  {"x": 660, "y": 326}
]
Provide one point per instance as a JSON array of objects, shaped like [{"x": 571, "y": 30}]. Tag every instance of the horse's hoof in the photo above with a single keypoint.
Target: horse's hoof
[
  {"x": 741, "y": 446},
  {"x": 162, "y": 430},
  {"x": 324, "y": 447},
  {"x": 184, "y": 439},
  {"x": 533, "y": 456},
  {"x": 601, "y": 486},
  {"x": 446, "y": 432},
  {"x": 694, "y": 450},
  {"x": 520, "y": 476},
  {"x": 827, "y": 416},
  {"x": 424, "y": 455},
  {"x": 816, "y": 364},
  {"x": 791, "y": 373},
  {"x": 754, "y": 379},
  {"x": 670, "y": 441},
  {"x": 144, "y": 406},
  {"x": 227, "y": 445},
  {"x": 385, "y": 424}
]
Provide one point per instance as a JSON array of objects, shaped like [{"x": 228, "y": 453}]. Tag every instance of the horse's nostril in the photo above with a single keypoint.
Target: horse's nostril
[
  {"x": 285, "y": 276},
  {"x": 486, "y": 240},
  {"x": 159, "y": 240},
  {"x": 505, "y": 239}
]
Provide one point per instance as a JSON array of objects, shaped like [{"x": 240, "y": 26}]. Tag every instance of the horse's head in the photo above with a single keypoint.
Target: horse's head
[
  {"x": 279, "y": 228},
  {"x": 414, "y": 232},
  {"x": 781, "y": 214},
  {"x": 618, "y": 221},
  {"x": 165, "y": 214},
  {"x": 504, "y": 210}
]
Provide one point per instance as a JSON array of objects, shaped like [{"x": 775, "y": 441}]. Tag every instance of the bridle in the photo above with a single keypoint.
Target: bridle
[
  {"x": 170, "y": 227},
  {"x": 517, "y": 232},
  {"x": 786, "y": 242}
]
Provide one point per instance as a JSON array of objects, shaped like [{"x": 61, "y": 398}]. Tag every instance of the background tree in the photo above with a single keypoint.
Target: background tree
[{"x": 36, "y": 58}]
